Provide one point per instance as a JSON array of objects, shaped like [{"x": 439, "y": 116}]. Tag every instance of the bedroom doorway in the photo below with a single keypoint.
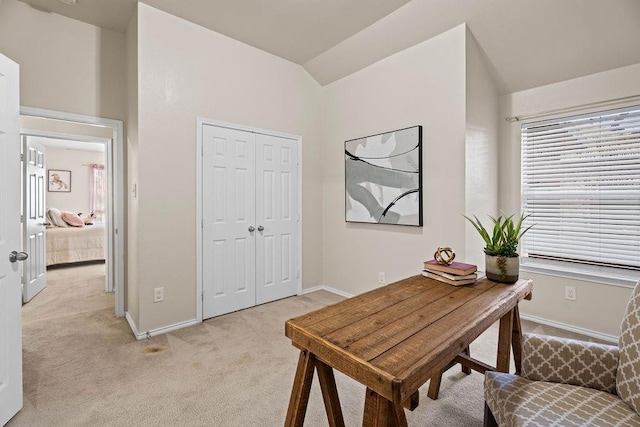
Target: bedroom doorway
[
  {"x": 64, "y": 191},
  {"x": 96, "y": 146}
]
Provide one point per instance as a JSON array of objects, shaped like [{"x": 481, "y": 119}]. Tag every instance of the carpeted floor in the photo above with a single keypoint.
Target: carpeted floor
[{"x": 83, "y": 367}]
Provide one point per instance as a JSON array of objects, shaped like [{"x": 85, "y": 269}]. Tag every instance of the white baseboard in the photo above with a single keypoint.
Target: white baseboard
[
  {"x": 328, "y": 289},
  {"x": 578, "y": 330},
  {"x": 157, "y": 331},
  {"x": 593, "y": 334},
  {"x": 132, "y": 325}
]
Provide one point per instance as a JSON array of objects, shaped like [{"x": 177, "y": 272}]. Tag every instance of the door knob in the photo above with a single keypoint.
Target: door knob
[
  {"x": 18, "y": 256},
  {"x": 251, "y": 229},
  {"x": 260, "y": 228}
]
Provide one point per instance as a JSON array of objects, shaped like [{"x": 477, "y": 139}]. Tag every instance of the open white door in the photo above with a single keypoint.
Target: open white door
[
  {"x": 10, "y": 301},
  {"x": 35, "y": 267}
]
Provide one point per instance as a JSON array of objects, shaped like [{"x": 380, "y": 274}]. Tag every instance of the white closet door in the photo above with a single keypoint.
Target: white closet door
[
  {"x": 277, "y": 267},
  {"x": 228, "y": 218}
]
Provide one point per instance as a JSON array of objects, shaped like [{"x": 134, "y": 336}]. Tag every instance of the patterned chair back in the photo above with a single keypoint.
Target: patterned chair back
[{"x": 628, "y": 375}]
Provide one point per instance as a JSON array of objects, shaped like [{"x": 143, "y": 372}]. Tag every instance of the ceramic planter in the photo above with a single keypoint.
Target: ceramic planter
[{"x": 502, "y": 269}]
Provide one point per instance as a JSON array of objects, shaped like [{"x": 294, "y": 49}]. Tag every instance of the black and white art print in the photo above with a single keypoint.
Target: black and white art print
[{"x": 383, "y": 178}]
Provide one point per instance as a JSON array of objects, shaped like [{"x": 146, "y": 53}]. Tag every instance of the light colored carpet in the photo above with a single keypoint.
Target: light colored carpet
[{"x": 82, "y": 366}]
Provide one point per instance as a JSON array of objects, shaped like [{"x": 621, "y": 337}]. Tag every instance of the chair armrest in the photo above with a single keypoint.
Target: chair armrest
[{"x": 562, "y": 360}]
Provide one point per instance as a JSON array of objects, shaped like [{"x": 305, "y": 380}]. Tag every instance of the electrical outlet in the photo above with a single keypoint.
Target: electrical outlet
[
  {"x": 381, "y": 277},
  {"x": 570, "y": 293},
  {"x": 158, "y": 294}
]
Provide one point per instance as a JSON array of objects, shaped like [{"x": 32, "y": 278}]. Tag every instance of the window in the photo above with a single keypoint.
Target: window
[
  {"x": 581, "y": 186},
  {"x": 97, "y": 191}
]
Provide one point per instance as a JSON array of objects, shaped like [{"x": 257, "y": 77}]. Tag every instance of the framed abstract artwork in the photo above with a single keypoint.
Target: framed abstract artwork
[
  {"x": 59, "y": 181},
  {"x": 383, "y": 178}
]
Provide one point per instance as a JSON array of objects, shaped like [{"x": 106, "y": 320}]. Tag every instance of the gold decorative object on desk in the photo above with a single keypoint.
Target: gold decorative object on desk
[{"x": 444, "y": 256}]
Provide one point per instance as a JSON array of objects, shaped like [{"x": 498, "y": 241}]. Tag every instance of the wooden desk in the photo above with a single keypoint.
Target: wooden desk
[{"x": 395, "y": 338}]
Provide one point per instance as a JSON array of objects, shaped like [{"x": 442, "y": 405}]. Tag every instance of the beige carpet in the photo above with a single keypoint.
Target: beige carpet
[{"x": 82, "y": 367}]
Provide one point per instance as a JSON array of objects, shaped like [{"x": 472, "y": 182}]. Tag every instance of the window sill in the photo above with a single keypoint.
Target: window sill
[{"x": 589, "y": 273}]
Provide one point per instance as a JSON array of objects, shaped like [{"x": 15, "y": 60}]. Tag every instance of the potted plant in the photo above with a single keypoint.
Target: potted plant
[{"x": 502, "y": 262}]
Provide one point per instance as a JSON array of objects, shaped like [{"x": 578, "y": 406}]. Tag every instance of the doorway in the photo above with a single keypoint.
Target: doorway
[{"x": 80, "y": 131}]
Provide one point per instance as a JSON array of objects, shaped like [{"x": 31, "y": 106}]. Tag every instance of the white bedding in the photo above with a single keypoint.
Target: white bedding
[{"x": 75, "y": 244}]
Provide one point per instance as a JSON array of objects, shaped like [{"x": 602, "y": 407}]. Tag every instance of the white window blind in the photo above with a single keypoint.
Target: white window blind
[{"x": 581, "y": 186}]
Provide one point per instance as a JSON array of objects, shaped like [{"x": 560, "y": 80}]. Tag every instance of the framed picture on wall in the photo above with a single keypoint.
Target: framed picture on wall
[
  {"x": 59, "y": 181},
  {"x": 383, "y": 178}
]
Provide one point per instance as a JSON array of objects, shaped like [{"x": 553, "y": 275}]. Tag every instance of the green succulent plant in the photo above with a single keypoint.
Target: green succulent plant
[{"x": 503, "y": 239}]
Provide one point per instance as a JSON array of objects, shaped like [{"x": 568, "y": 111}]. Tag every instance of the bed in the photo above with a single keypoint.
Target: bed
[{"x": 75, "y": 244}]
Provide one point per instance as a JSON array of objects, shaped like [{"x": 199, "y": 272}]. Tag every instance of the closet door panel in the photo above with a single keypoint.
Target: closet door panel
[
  {"x": 228, "y": 252},
  {"x": 276, "y": 244}
]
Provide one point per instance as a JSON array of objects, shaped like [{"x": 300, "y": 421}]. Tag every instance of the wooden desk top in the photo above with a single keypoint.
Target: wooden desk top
[{"x": 394, "y": 338}]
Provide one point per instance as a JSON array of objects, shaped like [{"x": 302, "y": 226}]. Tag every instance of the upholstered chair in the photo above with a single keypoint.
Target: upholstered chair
[{"x": 571, "y": 383}]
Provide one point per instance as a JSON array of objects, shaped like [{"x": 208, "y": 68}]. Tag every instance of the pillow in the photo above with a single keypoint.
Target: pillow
[
  {"x": 56, "y": 217},
  {"x": 72, "y": 219}
]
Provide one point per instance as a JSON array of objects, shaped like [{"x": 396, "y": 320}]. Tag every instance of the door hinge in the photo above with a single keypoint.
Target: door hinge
[
  {"x": 21, "y": 218},
  {"x": 22, "y": 280},
  {"x": 298, "y": 274},
  {"x": 202, "y": 223},
  {"x": 21, "y": 157}
]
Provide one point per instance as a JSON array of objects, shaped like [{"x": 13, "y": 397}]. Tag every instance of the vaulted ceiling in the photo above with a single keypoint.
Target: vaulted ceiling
[{"x": 527, "y": 43}]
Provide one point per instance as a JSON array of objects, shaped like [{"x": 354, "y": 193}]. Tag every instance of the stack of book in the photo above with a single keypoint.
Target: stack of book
[{"x": 456, "y": 273}]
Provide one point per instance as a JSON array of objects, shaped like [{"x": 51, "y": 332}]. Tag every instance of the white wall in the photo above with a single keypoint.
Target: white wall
[
  {"x": 131, "y": 229},
  {"x": 186, "y": 71},
  {"x": 598, "y": 307},
  {"x": 65, "y": 65},
  {"x": 76, "y": 161},
  {"x": 423, "y": 85},
  {"x": 481, "y": 154}
]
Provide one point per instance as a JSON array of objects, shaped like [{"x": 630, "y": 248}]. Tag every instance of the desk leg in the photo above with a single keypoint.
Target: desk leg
[
  {"x": 379, "y": 412},
  {"x": 301, "y": 389},
  {"x": 436, "y": 380},
  {"x": 434, "y": 386},
  {"x": 504, "y": 342},
  {"x": 466, "y": 369},
  {"x": 516, "y": 340},
  {"x": 330, "y": 394}
]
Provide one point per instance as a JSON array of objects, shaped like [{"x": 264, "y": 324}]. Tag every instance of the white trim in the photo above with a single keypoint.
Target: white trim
[
  {"x": 115, "y": 208},
  {"x": 132, "y": 325},
  {"x": 199, "y": 147},
  {"x": 588, "y": 273},
  {"x": 299, "y": 140},
  {"x": 328, "y": 289},
  {"x": 575, "y": 329},
  {"x": 158, "y": 331},
  {"x": 65, "y": 136},
  {"x": 205, "y": 121},
  {"x": 200, "y": 123}
]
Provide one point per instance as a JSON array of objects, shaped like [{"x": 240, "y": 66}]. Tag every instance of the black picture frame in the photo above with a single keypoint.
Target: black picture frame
[{"x": 383, "y": 178}]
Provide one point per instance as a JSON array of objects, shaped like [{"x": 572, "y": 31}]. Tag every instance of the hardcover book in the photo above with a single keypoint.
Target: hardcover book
[
  {"x": 455, "y": 268},
  {"x": 448, "y": 281},
  {"x": 452, "y": 276}
]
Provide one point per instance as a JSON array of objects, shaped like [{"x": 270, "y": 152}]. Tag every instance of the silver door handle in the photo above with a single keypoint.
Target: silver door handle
[
  {"x": 18, "y": 256},
  {"x": 251, "y": 229},
  {"x": 260, "y": 228}
]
